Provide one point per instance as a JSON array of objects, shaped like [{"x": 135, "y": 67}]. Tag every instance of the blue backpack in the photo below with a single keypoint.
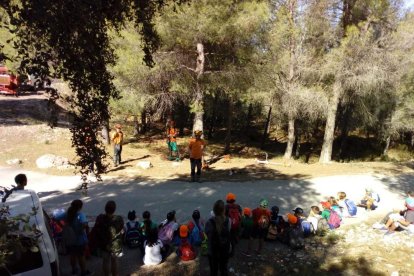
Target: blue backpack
[
  {"x": 350, "y": 205},
  {"x": 307, "y": 228},
  {"x": 196, "y": 236}
]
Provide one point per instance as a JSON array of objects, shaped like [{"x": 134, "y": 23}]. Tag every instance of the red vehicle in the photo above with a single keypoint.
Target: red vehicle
[{"x": 8, "y": 82}]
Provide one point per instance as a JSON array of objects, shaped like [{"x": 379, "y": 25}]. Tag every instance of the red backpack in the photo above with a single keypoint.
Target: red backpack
[
  {"x": 234, "y": 215},
  {"x": 186, "y": 252}
]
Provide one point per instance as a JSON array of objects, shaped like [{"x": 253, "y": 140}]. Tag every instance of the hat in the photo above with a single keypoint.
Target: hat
[
  {"x": 230, "y": 196},
  {"x": 247, "y": 211},
  {"x": 263, "y": 203},
  {"x": 198, "y": 132},
  {"x": 298, "y": 211},
  {"x": 183, "y": 231},
  {"x": 118, "y": 126},
  {"x": 326, "y": 204},
  {"x": 292, "y": 219},
  {"x": 171, "y": 215}
]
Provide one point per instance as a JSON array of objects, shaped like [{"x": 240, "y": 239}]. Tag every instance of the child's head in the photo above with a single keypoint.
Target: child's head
[
  {"x": 315, "y": 210},
  {"x": 247, "y": 212},
  {"x": 326, "y": 205},
  {"x": 152, "y": 237},
  {"x": 341, "y": 195},
  {"x": 298, "y": 212},
  {"x": 368, "y": 191},
  {"x": 410, "y": 193},
  {"x": 263, "y": 203},
  {"x": 132, "y": 215},
  {"x": 275, "y": 210},
  {"x": 332, "y": 201},
  {"x": 171, "y": 216},
  {"x": 230, "y": 198},
  {"x": 198, "y": 134},
  {"x": 110, "y": 207},
  {"x": 21, "y": 180},
  {"x": 196, "y": 215},
  {"x": 146, "y": 215},
  {"x": 183, "y": 231}
]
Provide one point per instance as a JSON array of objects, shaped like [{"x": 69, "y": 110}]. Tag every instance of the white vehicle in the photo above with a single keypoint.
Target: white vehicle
[{"x": 45, "y": 261}]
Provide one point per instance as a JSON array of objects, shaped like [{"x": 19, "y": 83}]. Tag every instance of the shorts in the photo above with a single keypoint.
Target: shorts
[
  {"x": 172, "y": 146},
  {"x": 76, "y": 250},
  {"x": 259, "y": 233}
]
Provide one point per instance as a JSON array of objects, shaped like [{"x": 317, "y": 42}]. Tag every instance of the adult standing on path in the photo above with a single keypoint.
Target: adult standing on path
[
  {"x": 196, "y": 149},
  {"x": 117, "y": 139}
]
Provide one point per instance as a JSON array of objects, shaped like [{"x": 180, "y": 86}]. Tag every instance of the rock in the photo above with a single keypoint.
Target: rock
[
  {"x": 14, "y": 161},
  {"x": 50, "y": 160},
  {"x": 144, "y": 164}
]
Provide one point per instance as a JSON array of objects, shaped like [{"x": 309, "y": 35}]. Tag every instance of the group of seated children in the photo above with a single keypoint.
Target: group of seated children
[
  {"x": 156, "y": 241},
  {"x": 399, "y": 219}
]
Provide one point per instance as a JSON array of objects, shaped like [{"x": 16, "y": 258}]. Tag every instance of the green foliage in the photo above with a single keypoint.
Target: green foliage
[{"x": 13, "y": 230}]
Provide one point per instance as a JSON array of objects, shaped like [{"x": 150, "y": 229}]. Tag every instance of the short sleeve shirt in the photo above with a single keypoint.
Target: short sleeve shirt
[
  {"x": 196, "y": 148},
  {"x": 258, "y": 212}
]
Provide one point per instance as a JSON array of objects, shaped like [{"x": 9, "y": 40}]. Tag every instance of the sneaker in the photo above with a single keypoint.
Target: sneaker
[{"x": 379, "y": 226}]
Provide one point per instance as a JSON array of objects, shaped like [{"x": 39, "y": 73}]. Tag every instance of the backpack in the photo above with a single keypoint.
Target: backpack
[
  {"x": 69, "y": 235},
  {"x": 323, "y": 227},
  {"x": 296, "y": 238},
  {"x": 186, "y": 252},
  {"x": 263, "y": 221},
  {"x": 334, "y": 220},
  {"x": 234, "y": 215},
  {"x": 196, "y": 235},
  {"x": 350, "y": 205},
  {"x": 307, "y": 228},
  {"x": 133, "y": 236},
  {"x": 221, "y": 242},
  {"x": 166, "y": 233}
]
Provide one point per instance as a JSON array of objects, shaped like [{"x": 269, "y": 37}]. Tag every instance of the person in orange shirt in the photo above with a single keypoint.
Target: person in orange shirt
[
  {"x": 172, "y": 134},
  {"x": 117, "y": 139},
  {"x": 196, "y": 149}
]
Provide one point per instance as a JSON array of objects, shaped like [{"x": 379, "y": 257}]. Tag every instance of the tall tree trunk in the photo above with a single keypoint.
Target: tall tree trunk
[
  {"x": 136, "y": 125},
  {"x": 264, "y": 137},
  {"x": 248, "y": 119},
  {"x": 105, "y": 133},
  {"x": 328, "y": 139},
  {"x": 143, "y": 121},
  {"x": 387, "y": 145},
  {"x": 344, "y": 131},
  {"x": 227, "y": 140},
  {"x": 412, "y": 139},
  {"x": 291, "y": 137},
  {"x": 213, "y": 119},
  {"x": 199, "y": 97},
  {"x": 297, "y": 142}
]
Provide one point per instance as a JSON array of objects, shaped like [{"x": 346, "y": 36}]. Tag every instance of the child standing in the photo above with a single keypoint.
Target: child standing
[
  {"x": 117, "y": 138},
  {"x": 261, "y": 221},
  {"x": 247, "y": 228},
  {"x": 196, "y": 148},
  {"x": 172, "y": 134},
  {"x": 234, "y": 212}
]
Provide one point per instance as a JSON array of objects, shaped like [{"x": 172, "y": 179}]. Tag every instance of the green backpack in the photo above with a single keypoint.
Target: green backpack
[{"x": 204, "y": 245}]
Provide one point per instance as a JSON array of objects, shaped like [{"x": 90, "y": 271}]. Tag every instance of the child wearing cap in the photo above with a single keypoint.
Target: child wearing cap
[
  {"x": 326, "y": 213},
  {"x": 234, "y": 212},
  {"x": 261, "y": 221},
  {"x": 185, "y": 250},
  {"x": 247, "y": 229},
  {"x": 196, "y": 148}
]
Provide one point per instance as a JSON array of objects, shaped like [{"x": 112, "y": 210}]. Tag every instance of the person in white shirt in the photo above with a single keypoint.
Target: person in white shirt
[{"x": 153, "y": 247}]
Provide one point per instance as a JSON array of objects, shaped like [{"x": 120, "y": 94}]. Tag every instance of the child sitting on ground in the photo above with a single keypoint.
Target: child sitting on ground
[
  {"x": 153, "y": 248},
  {"x": 247, "y": 228},
  {"x": 314, "y": 216},
  {"x": 347, "y": 206},
  {"x": 335, "y": 206},
  {"x": 397, "y": 221},
  {"x": 277, "y": 224},
  {"x": 196, "y": 228},
  {"x": 370, "y": 200},
  {"x": 185, "y": 250},
  {"x": 168, "y": 229},
  {"x": 132, "y": 236}
]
